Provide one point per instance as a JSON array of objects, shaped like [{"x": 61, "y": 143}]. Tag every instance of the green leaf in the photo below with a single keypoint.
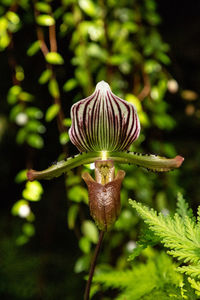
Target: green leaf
[
  {"x": 21, "y": 136},
  {"x": 71, "y": 215},
  {"x": 151, "y": 66},
  {"x": 28, "y": 229},
  {"x": 73, "y": 179},
  {"x": 45, "y": 20},
  {"x": 83, "y": 80},
  {"x": 35, "y": 126},
  {"x": 43, "y": 7},
  {"x": 131, "y": 26},
  {"x": 82, "y": 264},
  {"x": 64, "y": 138},
  {"x": 15, "y": 111},
  {"x": 54, "y": 58},
  {"x": 35, "y": 140},
  {"x": 164, "y": 121},
  {"x": 34, "y": 112},
  {"x": 126, "y": 220},
  {"x": 26, "y": 97},
  {"x": 13, "y": 94},
  {"x": 90, "y": 231},
  {"x": 13, "y": 17},
  {"x": 95, "y": 51},
  {"x": 21, "y": 176},
  {"x": 4, "y": 40},
  {"x": 70, "y": 85},
  {"x": 77, "y": 194},
  {"x": 88, "y": 7},
  {"x": 33, "y": 191},
  {"x": 116, "y": 59},
  {"x": 67, "y": 122},
  {"x": 68, "y": 18},
  {"x": 19, "y": 73},
  {"x": 85, "y": 245},
  {"x": 33, "y": 49},
  {"x": 3, "y": 24},
  {"x": 52, "y": 112},
  {"x": 54, "y": 88},
  {"x": 59, "y": 12},
  {"x": 45, "y": 76},
  {"x": 163, "y": 58},
  {"x": 16, "y": 207},
  {"x": 21, "y": 240}
]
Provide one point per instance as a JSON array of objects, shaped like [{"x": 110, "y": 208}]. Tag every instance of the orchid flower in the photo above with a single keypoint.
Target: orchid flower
[{"x": 103, "y": 128}]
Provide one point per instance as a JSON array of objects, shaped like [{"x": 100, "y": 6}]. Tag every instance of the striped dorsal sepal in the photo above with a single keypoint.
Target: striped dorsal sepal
[{"x": 103, "y": 121}]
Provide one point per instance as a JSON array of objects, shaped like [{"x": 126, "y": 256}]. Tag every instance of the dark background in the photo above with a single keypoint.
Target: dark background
[{"x": 54, "y": 246}]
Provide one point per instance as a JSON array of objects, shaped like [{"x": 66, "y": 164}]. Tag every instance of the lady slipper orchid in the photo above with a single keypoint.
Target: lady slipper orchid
[{"x": 103, "y": 128}]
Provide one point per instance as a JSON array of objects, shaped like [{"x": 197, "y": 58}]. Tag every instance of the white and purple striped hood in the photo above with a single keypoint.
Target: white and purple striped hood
[{"x": 103, "y": 122}]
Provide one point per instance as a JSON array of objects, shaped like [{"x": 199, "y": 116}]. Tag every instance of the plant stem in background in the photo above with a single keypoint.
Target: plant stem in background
[
  {"x": 92, "y": 267},
  {"x": 45, "y": 51}
]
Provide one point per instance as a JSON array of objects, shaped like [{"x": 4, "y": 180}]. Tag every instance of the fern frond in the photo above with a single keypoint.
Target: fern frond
[
  {"x": 186, "y": 255},
  {"x": 140, "y": 286},
  {"x": 183, "y": 207},
  {"x": 195, "y": 285},
  {"x": 137, "y": 251},
  {"x": 193, "y": 271},
  {"x": 157, "y": 277},
  {"x": 192, "y": 230},
  {"x": 114, "y": 279},
  {"x": 147, "y": 238},
  {"x": 178, "y": 234},
  {"x": 198, "y": 215}
]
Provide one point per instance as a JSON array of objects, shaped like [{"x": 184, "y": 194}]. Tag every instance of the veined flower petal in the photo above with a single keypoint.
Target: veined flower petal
[{"x": 103, "y": 121}]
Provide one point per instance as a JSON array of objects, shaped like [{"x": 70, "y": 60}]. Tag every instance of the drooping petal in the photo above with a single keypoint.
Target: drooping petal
[{"x": 103, "y": 121}]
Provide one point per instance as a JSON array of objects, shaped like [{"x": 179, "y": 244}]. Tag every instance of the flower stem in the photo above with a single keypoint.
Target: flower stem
[{"x": 92, "y": 266}]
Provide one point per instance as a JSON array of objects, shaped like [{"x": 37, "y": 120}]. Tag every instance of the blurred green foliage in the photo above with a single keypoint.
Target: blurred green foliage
[{"x": 56, "y": 53}]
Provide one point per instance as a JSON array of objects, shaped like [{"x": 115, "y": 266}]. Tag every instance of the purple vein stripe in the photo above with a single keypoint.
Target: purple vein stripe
[{"x": 103, "y": 121}]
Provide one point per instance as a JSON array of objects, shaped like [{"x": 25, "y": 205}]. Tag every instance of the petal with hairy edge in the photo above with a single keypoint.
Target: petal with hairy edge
[{"x": 151, "y": 162}]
